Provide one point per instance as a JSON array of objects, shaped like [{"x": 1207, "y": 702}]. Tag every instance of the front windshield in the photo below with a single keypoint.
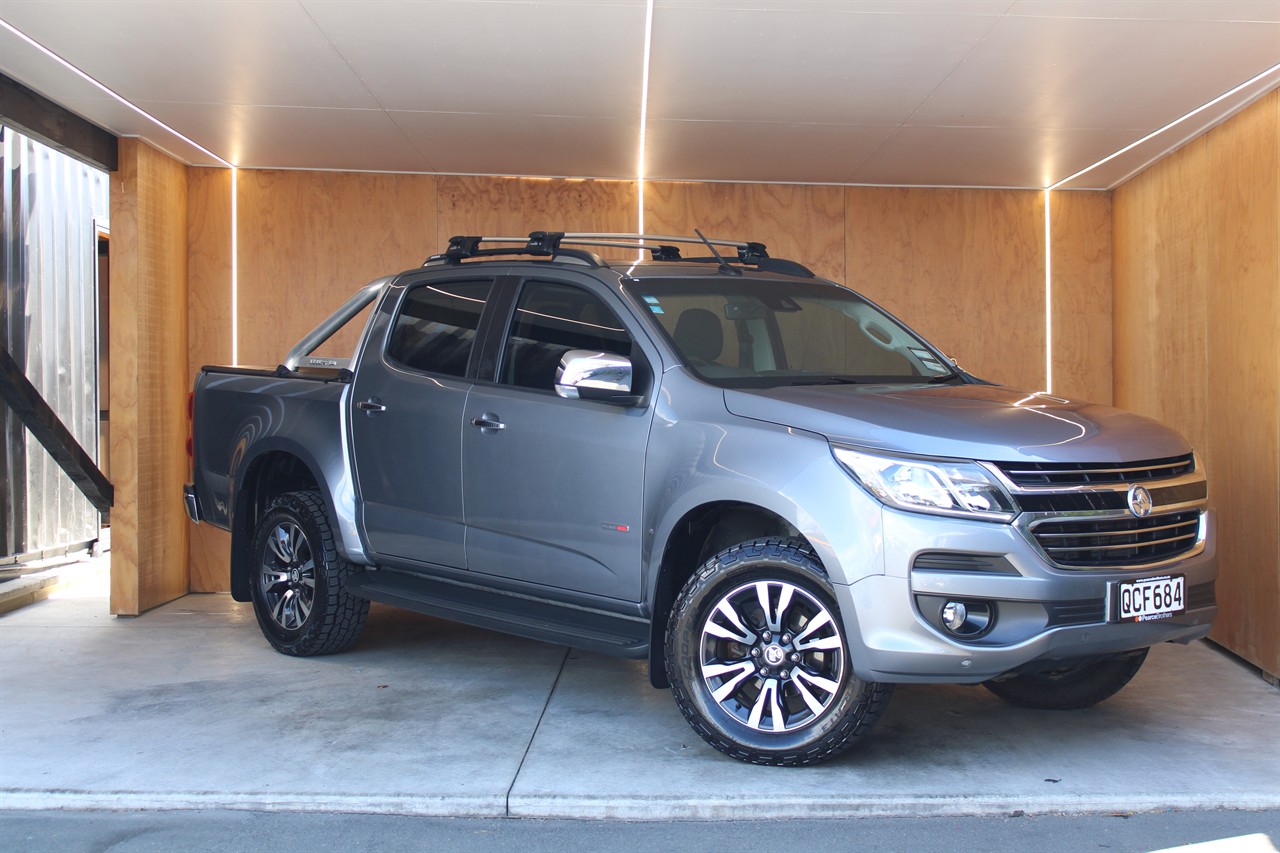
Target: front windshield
[{"x": 756, "y": 333}]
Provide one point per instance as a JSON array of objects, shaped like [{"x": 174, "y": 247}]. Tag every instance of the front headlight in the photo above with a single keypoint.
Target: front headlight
[{"x": 940, "y": 486}]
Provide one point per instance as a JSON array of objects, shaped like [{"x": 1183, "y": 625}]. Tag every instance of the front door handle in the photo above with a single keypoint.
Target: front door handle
[
  {"x": 488, "y": 421},
  {"x": 371, "y": 405}
]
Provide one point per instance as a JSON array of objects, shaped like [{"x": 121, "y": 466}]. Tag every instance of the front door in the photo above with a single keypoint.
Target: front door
[{"x": 554, "y": 487}]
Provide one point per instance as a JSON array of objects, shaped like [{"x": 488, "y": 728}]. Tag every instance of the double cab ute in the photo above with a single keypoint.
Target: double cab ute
[{"x": 778, "y": 494}]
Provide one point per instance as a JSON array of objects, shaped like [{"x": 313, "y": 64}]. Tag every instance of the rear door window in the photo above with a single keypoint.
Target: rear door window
[{"x": 435, "y": 329}]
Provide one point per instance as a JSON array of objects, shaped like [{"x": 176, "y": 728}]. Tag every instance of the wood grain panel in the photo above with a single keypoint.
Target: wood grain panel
[
  {"x": 209, "y": 336},
  {"x": 803, "y": 223},
  {"x": 1196, "y": 321},
  {"x": 965, "y": 268},
  {"x": 309, "y": 240},
  {"x": 148, "y": 321},
  {"x": 512, "y": 207},
  {"x": 1244, "y": 393},
  {"x": 1160, "y": 309},
  {"x": 1081, "y": 243}
]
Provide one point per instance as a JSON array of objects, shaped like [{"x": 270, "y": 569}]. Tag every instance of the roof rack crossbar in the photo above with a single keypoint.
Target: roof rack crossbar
[{"x": 660, "y": 246}]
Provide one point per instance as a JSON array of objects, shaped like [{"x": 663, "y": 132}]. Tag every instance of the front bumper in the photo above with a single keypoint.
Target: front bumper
[{"x": 1042, "y": 612}]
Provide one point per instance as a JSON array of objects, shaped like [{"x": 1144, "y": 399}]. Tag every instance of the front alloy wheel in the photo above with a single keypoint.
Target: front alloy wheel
[
  {"x": 758, "y": 661},
  {"x": 772, "y": 656}
]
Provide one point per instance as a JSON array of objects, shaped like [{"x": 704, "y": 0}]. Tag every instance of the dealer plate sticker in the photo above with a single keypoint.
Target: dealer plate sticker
[{"x": 1147, "y": 599}]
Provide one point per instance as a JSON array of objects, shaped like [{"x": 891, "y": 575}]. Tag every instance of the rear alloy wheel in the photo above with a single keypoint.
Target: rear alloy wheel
[
  {"x": 298, "y": 582},
  {"x": 1071, "y": 686},
  {"x": 758, "y": 662}
]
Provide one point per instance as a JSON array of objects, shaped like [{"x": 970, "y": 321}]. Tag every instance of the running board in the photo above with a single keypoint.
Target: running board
[{"x": 511, "y": 613}]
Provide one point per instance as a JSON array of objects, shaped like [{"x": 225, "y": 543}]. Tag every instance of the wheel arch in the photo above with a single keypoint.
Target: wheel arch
[
  {"x": 269, "y": 474},
  {"x": 700, "y": 533}
]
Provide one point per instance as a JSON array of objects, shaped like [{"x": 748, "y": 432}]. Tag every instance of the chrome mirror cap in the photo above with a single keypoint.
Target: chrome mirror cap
[{"x": 593, "y": 375}]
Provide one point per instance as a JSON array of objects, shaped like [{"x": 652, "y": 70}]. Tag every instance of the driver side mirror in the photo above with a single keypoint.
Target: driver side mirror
[{"x": 604, "y": 377}]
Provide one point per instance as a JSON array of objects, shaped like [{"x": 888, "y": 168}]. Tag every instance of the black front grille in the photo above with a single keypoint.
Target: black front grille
[
  {"x": 1201, "y": 595},
  {"x": 1072, "y": 502},
  {"x": 1085, "y": 611},
  {"x": 1089, "y": 473},
  {"x": 1111, "y": 542}
]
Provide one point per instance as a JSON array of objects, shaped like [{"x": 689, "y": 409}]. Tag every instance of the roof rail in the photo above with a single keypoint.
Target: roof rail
[{"x": 661, "y": 247}]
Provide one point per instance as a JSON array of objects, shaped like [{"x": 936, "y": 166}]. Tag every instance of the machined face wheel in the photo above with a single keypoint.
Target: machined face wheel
[
  {"x": 287, "y": 576},
  {"x": 771, "y": 656}
]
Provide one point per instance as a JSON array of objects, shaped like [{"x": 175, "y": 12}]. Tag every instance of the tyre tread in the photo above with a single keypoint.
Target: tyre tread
[
  {"x": 344, "y": 615},
  {"x": 858, "y": 721}
]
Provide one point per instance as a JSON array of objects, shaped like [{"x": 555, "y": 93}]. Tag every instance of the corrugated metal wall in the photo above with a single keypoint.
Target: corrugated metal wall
[{"x": 52, "y": 205}]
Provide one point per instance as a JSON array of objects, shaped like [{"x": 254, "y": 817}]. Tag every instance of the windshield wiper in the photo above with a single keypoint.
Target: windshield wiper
[
  {"x": 938, "y": 380},
  {"x": 825, "y": 380}
]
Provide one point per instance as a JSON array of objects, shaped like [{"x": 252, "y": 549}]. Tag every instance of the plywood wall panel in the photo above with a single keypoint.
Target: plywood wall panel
[
  {"x": 803, "y": 223},
  {"x": 148, "y": 320},
  {"x": 1081, "y": 253},
  {"x": 1244, "y": 362},
  {"x": 965, "y": 268},
  {"x": 1160, "y": 311},
  {"x": 512, "y": 207},
  {"x": 309, "y": 240},
  {"x": 1196, "y": 321},
  {"x": 209, "y": 336}
]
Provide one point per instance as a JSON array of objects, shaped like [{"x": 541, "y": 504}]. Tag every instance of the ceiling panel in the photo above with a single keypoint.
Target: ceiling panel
[
  {"x": 1075, "y": 73},
  {"x": 985, "y": 156},
  {"x": 226, "y": 52},
  {"x": 492, "y": 57},
  {"x": 865, "y": 7},
  {"x": 1152, "y": 10},
  {"x": 295, "y": 137},
  {"x": 911, "y": 92},
  {"x": 759, "y": 151},
  {"x": 1130, "y": 162},
  {"x": 721, "y": 63},
  {"x": 64, "y": 87},
  {"x": 548, "y": 146}
]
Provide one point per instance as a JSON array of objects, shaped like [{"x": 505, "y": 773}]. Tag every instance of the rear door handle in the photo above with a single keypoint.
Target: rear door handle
[
  {"x": 371, "y": 405},
  {"x": 488, "y": 421}
]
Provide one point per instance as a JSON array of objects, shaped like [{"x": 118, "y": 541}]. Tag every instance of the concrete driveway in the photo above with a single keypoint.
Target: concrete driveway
[{"x": 188, "y": 707}]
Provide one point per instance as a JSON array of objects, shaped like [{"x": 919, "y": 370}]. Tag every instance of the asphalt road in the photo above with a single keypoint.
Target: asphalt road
[{"x": 229, "y": 831}]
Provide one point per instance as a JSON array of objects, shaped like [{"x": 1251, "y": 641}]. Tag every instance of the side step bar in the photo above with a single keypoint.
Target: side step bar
[{"x": 512, "y": 613}]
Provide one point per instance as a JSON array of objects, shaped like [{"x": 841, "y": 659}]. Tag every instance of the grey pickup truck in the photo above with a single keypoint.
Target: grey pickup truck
[{"x": 776, "y": 492}]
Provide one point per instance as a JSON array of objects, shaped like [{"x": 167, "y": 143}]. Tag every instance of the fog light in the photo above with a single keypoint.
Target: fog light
[
  {"x": 967, "y": 619},
  {"x": 954, "y": 614}
]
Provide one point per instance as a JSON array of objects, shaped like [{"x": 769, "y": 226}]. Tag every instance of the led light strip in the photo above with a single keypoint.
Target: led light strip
[
  {"x": 1048, "y": 245},
  {"x": 1048, "y": 293},
  {"x": 149, "y": 117},
  {"x": 644, "y": 113}
]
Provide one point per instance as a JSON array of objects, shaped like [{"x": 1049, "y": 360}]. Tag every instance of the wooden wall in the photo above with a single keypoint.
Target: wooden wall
[
  {"x": 148, "y": 320},
  {"x": 1197, "y": 328}
]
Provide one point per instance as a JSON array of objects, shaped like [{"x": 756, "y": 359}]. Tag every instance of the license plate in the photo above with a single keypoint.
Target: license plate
[{"x": 1147, "y": 599}]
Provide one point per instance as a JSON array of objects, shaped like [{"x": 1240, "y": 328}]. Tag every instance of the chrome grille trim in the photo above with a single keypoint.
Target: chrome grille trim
[
  {"x": 1067, "y": 474},
  {"x": 1086, "y": 525}
]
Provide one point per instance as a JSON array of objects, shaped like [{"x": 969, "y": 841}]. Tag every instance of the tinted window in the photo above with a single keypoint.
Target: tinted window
[
  {"x": 755, "y": 333},
  {"x": 551, "y": 319},
  {"x": 436, "y": 327}
]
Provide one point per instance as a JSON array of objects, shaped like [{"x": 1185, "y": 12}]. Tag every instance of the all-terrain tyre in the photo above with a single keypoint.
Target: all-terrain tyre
[
  {"x": 1071, "y": 687},
  {"x": 297, "y": 580},
  {"x": 758, "y": 660}
]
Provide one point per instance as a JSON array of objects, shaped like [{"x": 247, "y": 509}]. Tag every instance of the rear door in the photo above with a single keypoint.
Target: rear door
[
  {"x": 406, "y": 418},
  {"x": 554, "y": 487}
]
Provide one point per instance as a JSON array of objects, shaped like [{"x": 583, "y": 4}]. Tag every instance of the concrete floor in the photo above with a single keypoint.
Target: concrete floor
[{"x": 188, "y": 707}]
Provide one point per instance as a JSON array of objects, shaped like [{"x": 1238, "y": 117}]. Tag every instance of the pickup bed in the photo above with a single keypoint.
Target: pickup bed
[{"x": 761, "y": 482}]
